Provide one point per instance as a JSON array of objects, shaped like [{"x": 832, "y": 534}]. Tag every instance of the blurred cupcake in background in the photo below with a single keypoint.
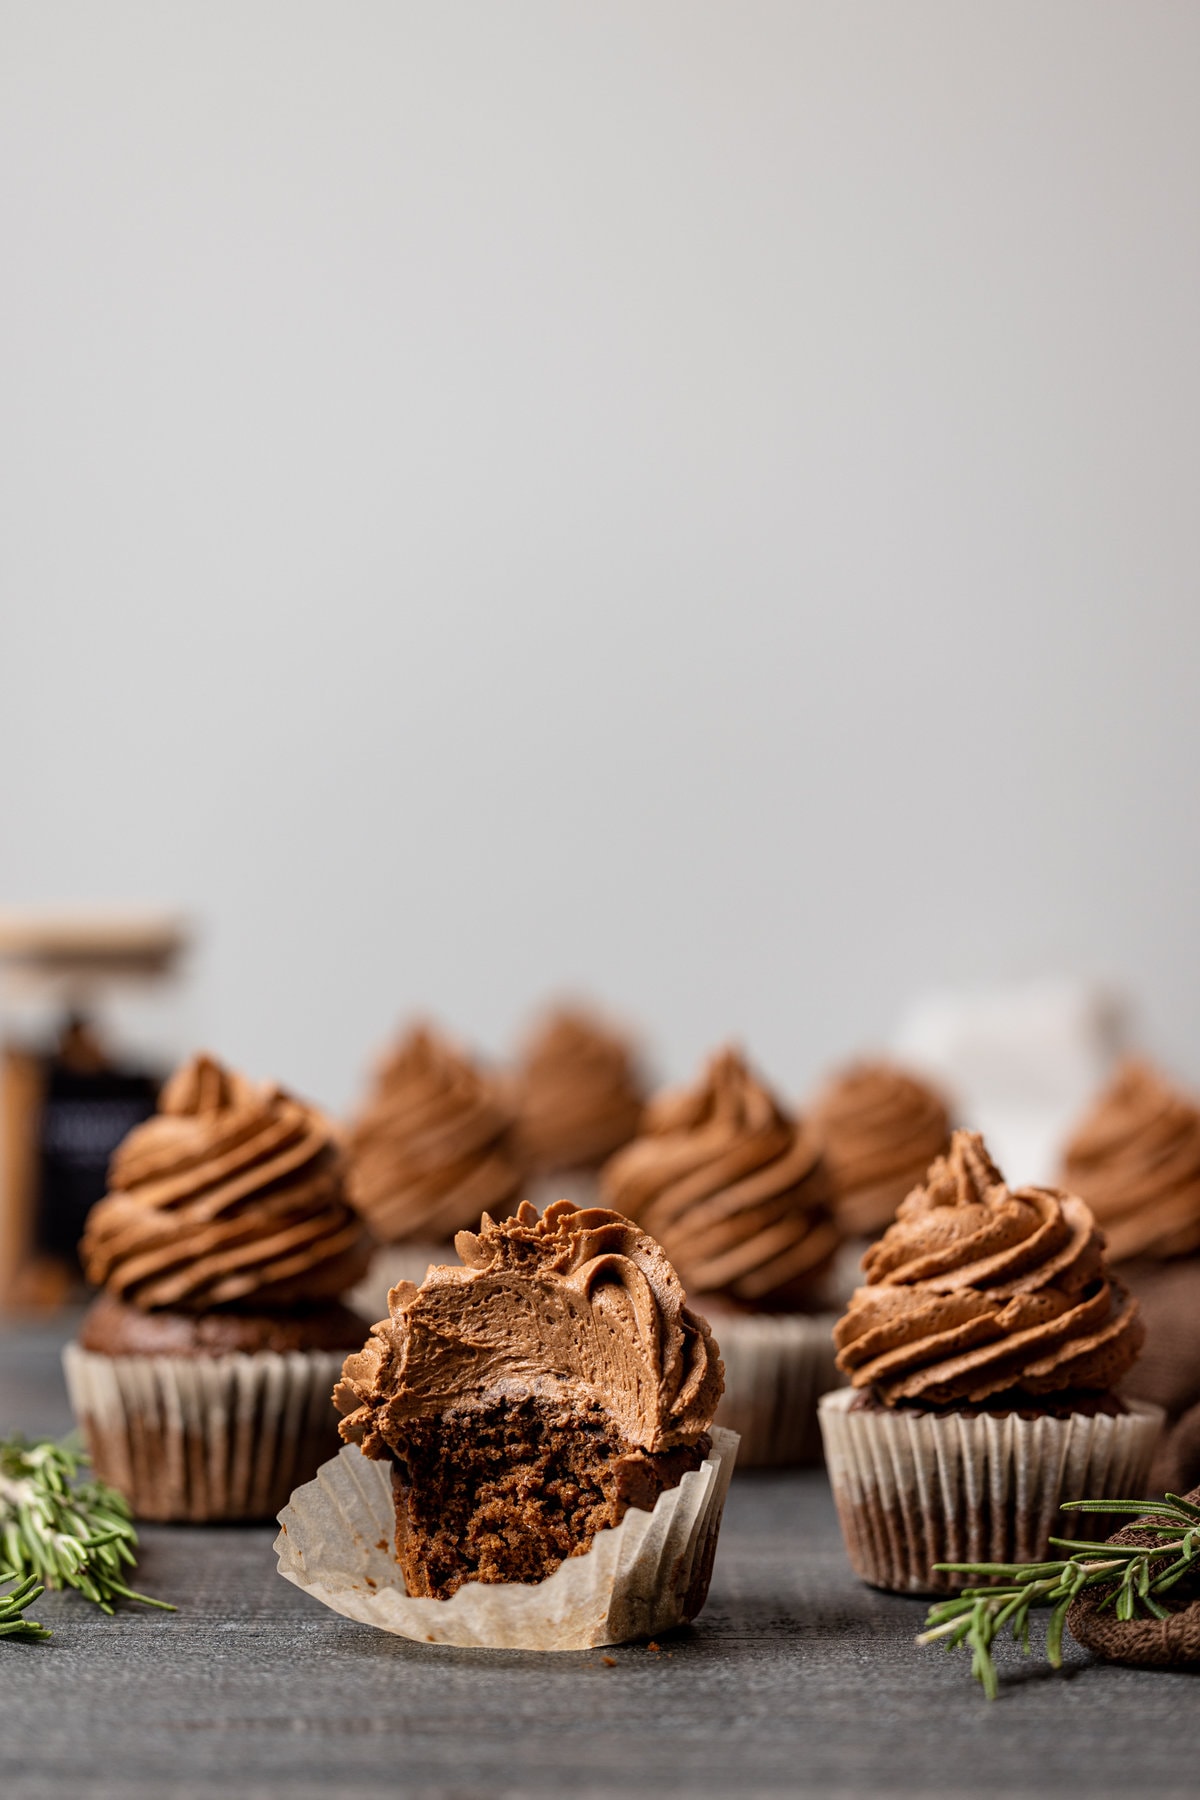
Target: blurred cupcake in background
[
  {"x": 578, "y": 1094},
  {"x": 202, "y": 1375},
  {"x": 431, "y": 1150},
  {"x": 1135, "y": 1159},
  {"x": 733, "y": 1187},
  {"x": 983, "y": 1354},
  {"x": 879, "y": 1129}
]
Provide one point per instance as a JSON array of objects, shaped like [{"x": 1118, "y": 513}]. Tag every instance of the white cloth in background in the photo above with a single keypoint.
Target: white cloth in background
[{"x": 1018, "y": 1062}]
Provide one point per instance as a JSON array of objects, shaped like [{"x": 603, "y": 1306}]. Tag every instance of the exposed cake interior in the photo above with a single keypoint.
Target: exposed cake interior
[
  {"x": 527, "y": 1399},
  {"x": 508, "y": 1489}
]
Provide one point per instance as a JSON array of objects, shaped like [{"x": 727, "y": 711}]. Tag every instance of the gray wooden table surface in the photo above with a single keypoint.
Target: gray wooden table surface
[{"x": 795, "y": 1680}]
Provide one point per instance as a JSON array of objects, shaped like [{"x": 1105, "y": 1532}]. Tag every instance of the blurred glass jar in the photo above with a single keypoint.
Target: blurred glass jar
[{"x": 91, "y": 1021}]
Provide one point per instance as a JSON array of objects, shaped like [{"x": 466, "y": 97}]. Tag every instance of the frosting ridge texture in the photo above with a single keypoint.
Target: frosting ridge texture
[
  {"x": 431, "y": 1149},
  {"x": 232, "y": 1192},
  {"x": 578, "y": 1094},
  {"x": 575, "y": 1306},
  {"x": 879, "y": 1129},
  {"x": 732, "y": 1186},
  {"x": 1135, "y": 1159},
  {"x": 979, "y": 1289}
]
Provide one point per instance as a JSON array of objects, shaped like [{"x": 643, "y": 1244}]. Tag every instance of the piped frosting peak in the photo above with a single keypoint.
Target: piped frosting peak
[
  {"x": 578, "y": 1306},
  {"x": 732, "y": 1186},
  {"x": 578, "y": 1093},
  {"x": 879, "y": 1129},
  {"x": 1135, "y": 1159},
  {"x": 432, "y": 1148},
  {"x": 231, "y": 1194},
  {"x": 978, "y": 1289}
]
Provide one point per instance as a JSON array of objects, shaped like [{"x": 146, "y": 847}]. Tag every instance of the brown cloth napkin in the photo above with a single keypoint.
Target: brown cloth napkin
[{"x": 1172, "y": 1643}]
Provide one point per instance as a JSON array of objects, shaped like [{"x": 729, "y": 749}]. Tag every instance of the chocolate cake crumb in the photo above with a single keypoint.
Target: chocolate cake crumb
[{"x": 507, "y": 1490}]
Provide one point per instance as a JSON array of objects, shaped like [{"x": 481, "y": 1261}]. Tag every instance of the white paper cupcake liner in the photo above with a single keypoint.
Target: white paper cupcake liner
[
  {"x": 392, "y": 1263},
  {"x": 777, "y": 1366},
  {"x": 914, "y": 1489},
  {"x": 639, "y": 1578},
  {"x": 205, "y": 1437}
]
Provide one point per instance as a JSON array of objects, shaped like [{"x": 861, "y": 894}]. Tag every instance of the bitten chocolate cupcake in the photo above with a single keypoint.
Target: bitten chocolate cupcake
[
  {"x": 430, "y": 1151},
  {"x": 540, "y": 1418},
  {"x": 982, "y": 1355},
  {"x": 201, "y": 1374},
  {"x": 879, "y": 1129},
  {"x": 733, "y": 1187},
  {"x": 578, "y": 1095},
  {"x": 1135, "y": 1159}
]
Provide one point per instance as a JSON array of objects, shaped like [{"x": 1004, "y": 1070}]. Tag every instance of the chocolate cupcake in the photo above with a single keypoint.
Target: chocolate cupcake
[
  {"x": 533, "y": 1433},
  {"x": 982, "y": 1355},
  {"x": 430, "y": 1151},
  {"x": 733, "y": 1187},
  {"x": 879, "y": 1129},
  {"x": 1135, "y": 1159},
  {"x": 201, "y": 1374},
  {"x": 578, "y": 1095}
]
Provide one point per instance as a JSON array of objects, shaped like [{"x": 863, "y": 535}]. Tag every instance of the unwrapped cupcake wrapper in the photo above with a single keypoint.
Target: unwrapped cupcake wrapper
[
  {"x": 392, "y": 1263},
  {"x": 200, "y": 1438},
  {"x": 918, "y": 1488},
  {"x": 777, "y": 1366},
  {"x": 639, "y": 1578}
]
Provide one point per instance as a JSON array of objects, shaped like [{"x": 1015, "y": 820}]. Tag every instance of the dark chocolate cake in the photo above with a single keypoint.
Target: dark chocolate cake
[{"x": 527, "y": 1399}]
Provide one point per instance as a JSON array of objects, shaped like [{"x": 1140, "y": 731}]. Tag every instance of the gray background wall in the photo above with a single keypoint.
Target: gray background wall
[{"x": 694, "y": 501}]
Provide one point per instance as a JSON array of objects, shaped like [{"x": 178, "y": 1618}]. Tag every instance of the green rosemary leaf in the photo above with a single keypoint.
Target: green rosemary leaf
[
  {"x": 1135, "y": 1575},
  {"x": 1054, "y": 1632},
  {"x": 58, "y": 1530},
  {"x": 1117, "y": 1506},
  {"x": 12, "y": 1608},
  {"x": 1017, "y": 1571},
  {"x": 1125, "y": 1552}
]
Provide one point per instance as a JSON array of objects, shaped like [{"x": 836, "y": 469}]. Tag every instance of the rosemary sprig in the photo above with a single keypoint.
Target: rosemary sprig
[
  {"x": 58, "y": 1530},
  {"x": 1139, "y": 1575},
  {"x": 13, "y": 1624}
]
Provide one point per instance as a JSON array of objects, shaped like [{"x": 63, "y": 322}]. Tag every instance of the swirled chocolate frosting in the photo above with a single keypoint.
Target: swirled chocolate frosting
[
  {"x": 432, "y": 1149},
  {"x": 979, "y": 1289},
  {"x": 1135, "y": 1159},
  {"x": 232, "y": 1194},
  {"x": 578, "y": 1094},
  {"x": 879, "y": 1129},
  {"x": 733, "y": 1188},
  {"x": 575, "y": 1308}
]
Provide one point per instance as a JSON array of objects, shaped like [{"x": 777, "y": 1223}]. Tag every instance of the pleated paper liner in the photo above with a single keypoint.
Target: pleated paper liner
[
  {"x": 777, "y": 1366},
  {"x": 639, "y": 1578},
  {"x": 913, "y": 1489},
  {"x": 205, "y": 1438}
]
